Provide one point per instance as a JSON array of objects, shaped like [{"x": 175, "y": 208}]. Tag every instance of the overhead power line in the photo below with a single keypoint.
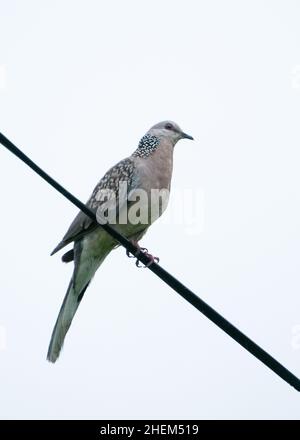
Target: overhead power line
[{"x": 169, "y": 279}]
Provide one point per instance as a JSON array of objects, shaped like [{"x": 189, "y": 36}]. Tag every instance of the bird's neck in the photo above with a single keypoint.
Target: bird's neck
[
  {"x": 157, "y": 167},
  {"x": 147, "y": 145}
]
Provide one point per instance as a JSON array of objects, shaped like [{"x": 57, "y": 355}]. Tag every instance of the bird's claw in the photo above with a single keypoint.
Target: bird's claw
[
  {"x": 152, "y": 259},
  {"x": 129, "y": 254},
  {"x": 144, "y": 251}
]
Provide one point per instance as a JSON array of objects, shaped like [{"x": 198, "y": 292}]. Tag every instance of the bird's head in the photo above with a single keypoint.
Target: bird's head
[{"x": 168, "y": 130}]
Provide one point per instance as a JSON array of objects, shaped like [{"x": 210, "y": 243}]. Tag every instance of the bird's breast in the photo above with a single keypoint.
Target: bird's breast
[
  {"x": 155, "y": 171},
  {"x": 154, "y": 182}
]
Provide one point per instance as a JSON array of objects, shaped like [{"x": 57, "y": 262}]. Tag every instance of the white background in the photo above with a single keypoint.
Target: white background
[{"x": 80, "y": 83}]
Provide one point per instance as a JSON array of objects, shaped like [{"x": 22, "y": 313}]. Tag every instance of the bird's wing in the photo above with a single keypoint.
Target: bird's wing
[{"x": 123, "y": 171}]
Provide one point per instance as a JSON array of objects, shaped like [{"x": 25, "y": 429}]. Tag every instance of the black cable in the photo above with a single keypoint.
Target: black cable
[{"x": 187, "y": 294}]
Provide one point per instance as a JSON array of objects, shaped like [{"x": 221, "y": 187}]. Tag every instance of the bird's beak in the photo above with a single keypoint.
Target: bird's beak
[{"x": 186, "y": 136}]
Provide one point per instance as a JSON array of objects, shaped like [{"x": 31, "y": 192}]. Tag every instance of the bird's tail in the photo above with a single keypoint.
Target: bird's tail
[
  {"x": 84, "y": 270},
  {"x": 66, "y": 314}
]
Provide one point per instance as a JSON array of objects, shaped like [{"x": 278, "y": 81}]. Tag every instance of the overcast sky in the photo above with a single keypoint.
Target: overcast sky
[{"x": 80, "y": 83}]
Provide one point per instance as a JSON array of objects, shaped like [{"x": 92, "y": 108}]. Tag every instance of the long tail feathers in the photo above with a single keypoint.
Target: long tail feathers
[{"x": 63, "y": 322}]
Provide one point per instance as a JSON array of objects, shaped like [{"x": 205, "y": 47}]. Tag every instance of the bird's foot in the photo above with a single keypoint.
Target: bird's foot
[
  {"x": 144, "y": 251},
  {"x": 151, "y": 258}
]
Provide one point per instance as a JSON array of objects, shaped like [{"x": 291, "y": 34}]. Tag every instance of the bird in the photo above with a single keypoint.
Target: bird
[{"x": 148, "y": 168}]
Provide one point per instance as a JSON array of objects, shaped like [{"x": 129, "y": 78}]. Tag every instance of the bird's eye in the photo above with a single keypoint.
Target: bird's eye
[{"x": 168, "y": 126}]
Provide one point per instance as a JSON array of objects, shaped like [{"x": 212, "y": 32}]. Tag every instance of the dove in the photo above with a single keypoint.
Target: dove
[{"x": 148, "y": 168}]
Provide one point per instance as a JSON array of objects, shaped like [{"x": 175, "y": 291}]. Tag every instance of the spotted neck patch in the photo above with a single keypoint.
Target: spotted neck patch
[{"x": 147, "y": 145}]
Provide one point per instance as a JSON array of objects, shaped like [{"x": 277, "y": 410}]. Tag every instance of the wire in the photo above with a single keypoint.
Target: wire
[{"x": 176, "y": 285}]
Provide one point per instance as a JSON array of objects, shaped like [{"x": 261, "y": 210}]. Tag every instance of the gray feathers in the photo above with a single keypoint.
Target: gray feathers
[
  {"x": 124, "y": 171},
  {"x": 66, "y": 313}
]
